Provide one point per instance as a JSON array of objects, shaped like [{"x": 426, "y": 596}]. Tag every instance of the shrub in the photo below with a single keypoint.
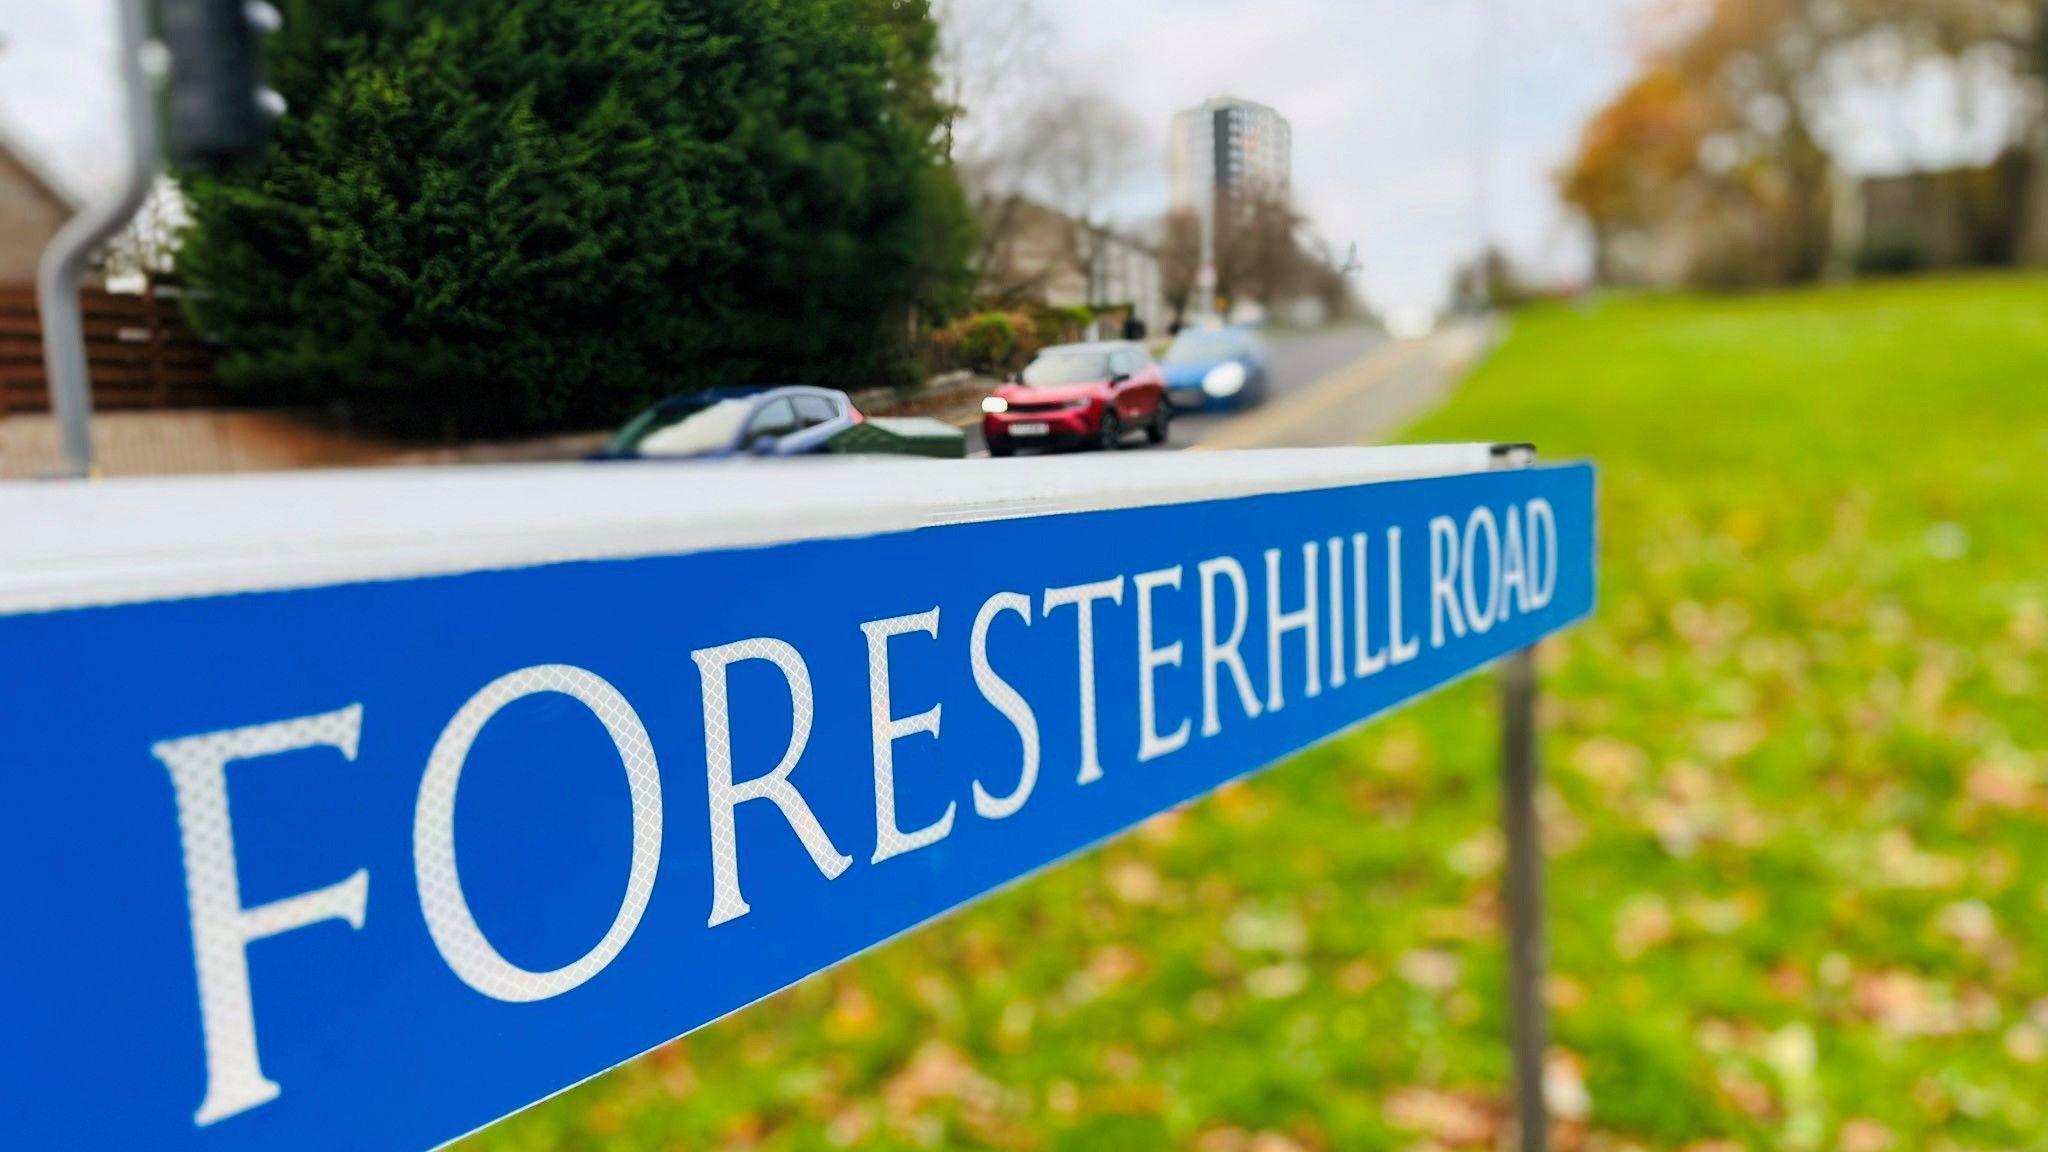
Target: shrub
[
  {"x": 988, "y": 343},
  {"x": 1893, "y": 254},
  {"x": 1058, "y": 325},
  {"x": 488, "y": 216}
]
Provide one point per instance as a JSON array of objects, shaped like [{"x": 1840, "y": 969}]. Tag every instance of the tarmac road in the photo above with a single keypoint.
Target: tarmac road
[{"x": 1298, "y": 360}]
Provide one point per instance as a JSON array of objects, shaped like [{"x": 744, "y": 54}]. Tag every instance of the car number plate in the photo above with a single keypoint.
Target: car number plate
[{"x": 1030, "y": 429}]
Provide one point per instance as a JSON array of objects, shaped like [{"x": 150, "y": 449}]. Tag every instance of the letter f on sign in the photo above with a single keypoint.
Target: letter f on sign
[{"x": 221, "y": 927}]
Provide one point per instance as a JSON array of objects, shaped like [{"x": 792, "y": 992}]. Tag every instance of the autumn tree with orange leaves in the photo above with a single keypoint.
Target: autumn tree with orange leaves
[{"x": 1710, "y": 166}]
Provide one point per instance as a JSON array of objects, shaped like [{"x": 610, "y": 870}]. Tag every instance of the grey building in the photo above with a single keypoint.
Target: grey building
[{"x": 1229, "y": 150}]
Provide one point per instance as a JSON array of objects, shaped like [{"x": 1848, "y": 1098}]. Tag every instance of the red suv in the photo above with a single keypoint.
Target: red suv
[{"x": 1079, "y": 396}]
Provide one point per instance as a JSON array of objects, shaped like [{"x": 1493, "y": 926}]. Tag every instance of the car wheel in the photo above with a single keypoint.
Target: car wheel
[
  {"x": 1110, "y": 435},
  {"x": 1001, "y": 448},
  {"x": 1162, "y": 424}
]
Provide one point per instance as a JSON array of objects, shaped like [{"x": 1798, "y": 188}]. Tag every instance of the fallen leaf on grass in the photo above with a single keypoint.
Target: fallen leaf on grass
[
  {"x": 1730, "y": 740},
  {"x": 1478, "y": 855},
  {"x": 1903, "y": 864},
  {"x": 1455, "y": 1120},
  {"x": 2029, "y": 627},
  {"x": 1614, "y": 765},
  {"x": 1972, "y": 924},
  {"x": 1643, "y": 923},
  {"x": 1063, "y": 1098},
  {"x": 852, "y": 1015},
  {"x": 1903, "y": 1004},
  {"x": 1430, "y": 969},
  {"x": 1134, "y": 882},
  {"x": 2003, "y": 782},
  {"x": 1564, "y": 1085},
  {"x": 1239, "y": 1140},
  {"x": 1357, "y": 978},
  {"x": 1266, "y": 929},
  {"x": 1162, "y": 829},
  {"x": 1744, "y": 1091},
  {"x": 1113, "y": 964},
  {"x": 851, "y": 1127},
  {"x": 936, "y": 1072},
  {"x": 1563, "y": 993},
  {"x": 1861, "y": 1135},
  {"x": 1400, "y": 752},
  {"x": 2026, "y": 1043},
  {"x": 1276, "y": 981}
]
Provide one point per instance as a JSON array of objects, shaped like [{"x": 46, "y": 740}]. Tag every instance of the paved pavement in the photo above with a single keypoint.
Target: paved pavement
[{"x": 1348, "y": 385}]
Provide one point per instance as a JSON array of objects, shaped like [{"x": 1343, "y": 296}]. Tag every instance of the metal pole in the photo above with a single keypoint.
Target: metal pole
[
  {"x": 1523, "y": 884},
  {"x": 62, "y": 271},
  {"x": 1205, "y": 273}
]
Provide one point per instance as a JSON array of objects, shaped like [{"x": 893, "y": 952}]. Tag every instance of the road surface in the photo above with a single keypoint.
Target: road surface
[
  {"x": 1298, "y": 360},
  {"x": 1348, "y": 385}
]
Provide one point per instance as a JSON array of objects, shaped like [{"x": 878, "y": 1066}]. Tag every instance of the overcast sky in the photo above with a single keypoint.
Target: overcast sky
[
  {"x": 1398, "y": 107},
  {"x": 1385, "y": 97}
]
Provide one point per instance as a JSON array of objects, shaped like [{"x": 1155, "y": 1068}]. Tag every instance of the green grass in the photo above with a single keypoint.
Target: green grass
[{"x": 1797, "y": 804}]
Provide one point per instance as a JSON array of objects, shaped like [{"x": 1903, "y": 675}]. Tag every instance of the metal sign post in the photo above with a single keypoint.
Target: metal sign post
[
  {"x": 62, "y": 271},
  {"x": 1523, "y": 884}
]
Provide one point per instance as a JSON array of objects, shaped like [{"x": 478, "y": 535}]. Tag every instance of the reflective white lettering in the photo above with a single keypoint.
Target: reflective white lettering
[
  {"x": 1366, "y": 661},
  {"x": 1006, "y": 699},
  {"x": 1220, "y": 655},
  {"x": 1151, "y": 745},
  {"x": 887, "y": 729},
  {"x": 712, "y": 664},
  {"x": 222, "y": 928},
  {"x": 1336, "y": 554},
  {"x": 1083, "y": 598},
  {"x": 469, "y": 954},
  {"x": 1443, "y": 580},
  {"x": 1304, "y": 620},
  {"x": 1482, "y": 519},
  {"x": 1514, "y": 579},
  {"x": 1542, "y": 553},
  {"x": 1401, "y": 649}
]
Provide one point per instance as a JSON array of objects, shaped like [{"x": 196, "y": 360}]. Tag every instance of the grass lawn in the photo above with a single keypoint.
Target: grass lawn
[{"x": 1797, "y": 803}]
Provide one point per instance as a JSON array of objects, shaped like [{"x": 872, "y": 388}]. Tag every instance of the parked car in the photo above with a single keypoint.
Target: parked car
[
  {"x": 1216, "y": 368},
  {"x": 1079, "y": 396},
  {"x": 785, "y": 421}
]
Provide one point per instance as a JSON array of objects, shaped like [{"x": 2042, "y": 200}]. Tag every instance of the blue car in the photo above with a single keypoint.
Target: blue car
[
  {"x": 788, "y": 421},
  {"x": 1216, "y": 368}
]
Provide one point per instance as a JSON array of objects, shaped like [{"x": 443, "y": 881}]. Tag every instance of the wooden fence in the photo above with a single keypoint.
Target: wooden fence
[{"x": 142, "y": 352}]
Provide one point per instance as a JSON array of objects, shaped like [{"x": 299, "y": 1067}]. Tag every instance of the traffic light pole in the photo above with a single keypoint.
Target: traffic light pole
[{"x": 63, "y": 267}]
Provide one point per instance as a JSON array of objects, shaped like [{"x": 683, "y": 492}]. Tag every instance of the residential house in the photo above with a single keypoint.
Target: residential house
[
  {"x": 34, "y": 204},
  {"x": 1036, "y": 253}
]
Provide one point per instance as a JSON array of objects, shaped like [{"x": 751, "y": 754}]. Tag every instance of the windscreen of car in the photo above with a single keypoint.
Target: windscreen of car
[
  {"x": 1206, "y": 348},
  {"x": 686, "y": 428},
  {"x": 1053, "y": 369}
]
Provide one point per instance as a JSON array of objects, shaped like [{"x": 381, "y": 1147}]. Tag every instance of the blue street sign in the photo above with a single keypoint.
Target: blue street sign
[{"x": 370, "y": 866}]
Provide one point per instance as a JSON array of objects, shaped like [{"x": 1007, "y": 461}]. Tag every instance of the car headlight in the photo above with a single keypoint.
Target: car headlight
[
  {"x": 1082, "y": 402},
  {"x": 995, "y": 405},
  {"x": 1224, "y": 380}
]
